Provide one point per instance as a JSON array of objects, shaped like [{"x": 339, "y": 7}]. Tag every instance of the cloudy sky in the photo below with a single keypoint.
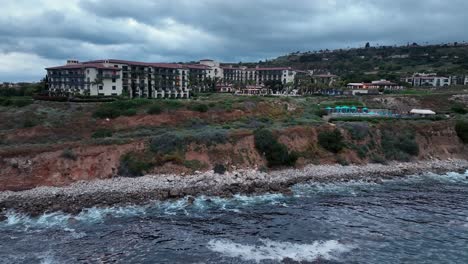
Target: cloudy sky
[{"x": 38, "y": 33}]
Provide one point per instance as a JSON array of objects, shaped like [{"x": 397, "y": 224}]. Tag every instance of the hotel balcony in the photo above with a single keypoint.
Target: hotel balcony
[{"x": 108, "y": 76}]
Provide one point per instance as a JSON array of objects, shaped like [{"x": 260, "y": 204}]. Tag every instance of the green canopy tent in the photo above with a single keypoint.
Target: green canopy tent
[
  {"x": 337, "y": 109},
  {"x": 353, "y": 109},
  {"x": 345, "y": 108},
  {"x": 365, "y": 109},
  {"x": 328, "y": 108}
]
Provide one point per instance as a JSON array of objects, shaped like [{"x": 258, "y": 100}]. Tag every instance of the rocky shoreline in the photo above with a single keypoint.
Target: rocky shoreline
[{"x": 125, "y": 191}]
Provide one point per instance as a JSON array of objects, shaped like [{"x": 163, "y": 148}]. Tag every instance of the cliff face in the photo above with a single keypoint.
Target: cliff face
[{"x": 65, "y": 164}]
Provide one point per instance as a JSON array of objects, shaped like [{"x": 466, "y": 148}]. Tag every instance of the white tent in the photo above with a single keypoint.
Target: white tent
[{"x": 422, "y": 112}]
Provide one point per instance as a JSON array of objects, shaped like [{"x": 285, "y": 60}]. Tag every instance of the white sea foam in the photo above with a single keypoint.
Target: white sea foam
[
  {"x": 48, "y": 258},
  {"x": 44, "y": 221},
  {"x": 62, "y": 220},
  {"x": 237, "y": 202},
  {"x": 277, "y": 251}
]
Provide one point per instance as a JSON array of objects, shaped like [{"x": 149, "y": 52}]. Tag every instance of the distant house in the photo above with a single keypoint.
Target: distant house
[
  {"x": 9, "y": 85},
  {"x": 381, "y": 84},
  {"x": 428, "y": 80},
  {"x": 327, "y": 79}
]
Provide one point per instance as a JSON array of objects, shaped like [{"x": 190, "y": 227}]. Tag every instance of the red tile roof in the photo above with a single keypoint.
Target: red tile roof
[
  {"x": 100, "y": 65},
  {"x": 84, "y": 66}
]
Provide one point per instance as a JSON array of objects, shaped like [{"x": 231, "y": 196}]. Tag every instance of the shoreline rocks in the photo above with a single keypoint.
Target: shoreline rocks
[{"x": 126, "y": 191}]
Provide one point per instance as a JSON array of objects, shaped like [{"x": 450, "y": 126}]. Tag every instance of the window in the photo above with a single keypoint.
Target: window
[
  {"x": 100, "y": 94},
  {"x": 116, "y": 66},
  {"x": 113, "y": 80},
  {"x": 113, "y": 88},
  {"x": 100, "y": 87},
  {"x": 87, "y": 71}
]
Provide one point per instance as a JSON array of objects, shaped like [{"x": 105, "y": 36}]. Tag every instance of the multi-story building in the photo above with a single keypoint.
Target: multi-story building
[
  {"x": 258, "y": 75},
  {"x": 428, "y": 80},
  {"x": 116, "y": 77},
  {"x": 156, "y": 80}
]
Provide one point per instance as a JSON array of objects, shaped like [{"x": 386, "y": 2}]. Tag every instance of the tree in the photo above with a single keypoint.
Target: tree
[
  {"x": 96, "y": 82},
  {"x": 367, "y": 45}
]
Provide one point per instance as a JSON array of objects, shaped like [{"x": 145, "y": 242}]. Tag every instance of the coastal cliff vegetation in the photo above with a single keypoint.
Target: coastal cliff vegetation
[{"x": 63, "y": 142}]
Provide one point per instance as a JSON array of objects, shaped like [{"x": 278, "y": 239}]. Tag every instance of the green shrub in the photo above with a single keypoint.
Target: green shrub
[
  {"x": 461, "y": 127},
  {"x": 135, "y": 164},
  {"x": 276, "y": 153},
  {"x": 130, "y": 103},
  {"x": 16, "y": 102},
  {"x": 29, "y": 122},
  {"x": 399, "y": 146},
  {"x": 172, "y": 104},
  {"x": 102, "y": 133},
  {"x": 5, "y": 101},
  {"x": 459, "y": 109},
  {"x": 362, "y": 151},
  {"x": 106, "y": 112},
  {"x": 321, "y": 112},
  {"x": 199, "y": 108},
  {"x": 178, "y": 141},
  {"x": 331, "y": 140},
  {"x": 195, "y": 123},
  {"x": 120, "y": 107},
  {"x": 129, "y": 112},
  {"x": 358, "y": 131},
  {"x": 208, "y": 137},
  {"x": 342, "y": 161},
  {"x": 155, "y": 110},
  {"x": 167, "y": 143},
  {"x": 68, "y": 154},
  {"x": 219, "y": 169},
  {"x": 378, "y": 159},
  {"x": 195, "y": 165},
  {"x": 21, "y": 102}
]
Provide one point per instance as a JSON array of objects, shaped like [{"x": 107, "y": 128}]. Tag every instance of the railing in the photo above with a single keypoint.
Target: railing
[
  {"x": 108, "y": 76},
  {"x": 66, "y": 75}
]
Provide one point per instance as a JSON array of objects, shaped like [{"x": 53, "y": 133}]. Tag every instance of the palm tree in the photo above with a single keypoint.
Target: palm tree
[{"x": 96, "y": 82}]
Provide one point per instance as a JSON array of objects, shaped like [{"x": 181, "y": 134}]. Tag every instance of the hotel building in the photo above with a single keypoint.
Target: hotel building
[{"x": 155, "y": 80}]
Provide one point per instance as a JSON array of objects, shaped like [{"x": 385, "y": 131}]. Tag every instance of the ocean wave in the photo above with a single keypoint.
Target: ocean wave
[
  {"x": 187, "y": 206},
  {"x": 277, "y": 251},
  {"x": 351, "y": 188},
  {"x": 173, "y": 207},
  {"x": 63, "y": 220}
]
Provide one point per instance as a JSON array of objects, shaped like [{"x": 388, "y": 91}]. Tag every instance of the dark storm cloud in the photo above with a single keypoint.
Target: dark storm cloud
[{"x": 242, "y": 30}]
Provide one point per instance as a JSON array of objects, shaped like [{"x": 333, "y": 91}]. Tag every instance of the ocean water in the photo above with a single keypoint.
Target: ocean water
[{"x": 418, "y": 219}]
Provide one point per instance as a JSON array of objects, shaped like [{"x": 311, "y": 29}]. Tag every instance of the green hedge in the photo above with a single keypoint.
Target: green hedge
[{"x": 102, "y": 133}]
